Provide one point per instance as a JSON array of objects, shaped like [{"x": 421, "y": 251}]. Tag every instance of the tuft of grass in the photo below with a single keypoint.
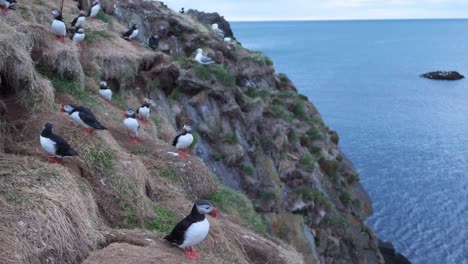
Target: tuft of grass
[
  {"x": 231, "y": 138},
  {"x": 279, "y": 110},
  {"x": 354, "y": 178},
  {"x": 284, "y": 78},
  {"x": 39, "y": 2},
  {"x": 314, "y": 134},
  {"x": 196, "y": 138},
  {"x": 104, "y": 17},
  {"x": 130, "y": 216},
  {"x": 175, "y": 94},
  {"x": 184, "y": 62},
  {"x": 234, "y": 202},
  {"x": 254, "y": 92},
  {"x": 170, "y": 173},
  {"x": 268, "y": 195},
  {"x": 93, "y": 36},
  {"x": 345, "y": 197},
  {"x": 336, "y": 220},
  {"x": 299, "y": 109},
  {"x": 334, "y": 137},
  {"x": 315, "y": 196},
  {"x": 164, "y": 221},
  {"x": 248, "y": 169},
  {"x": 205, "y": 72},
  {"x": 73, "y": 88},
  {"x": 259, "y": 58},
  {"x": 217, "y": 156},
  {"x": 117, "y": 97},
  {"x": 153, "y": 84},
  {"x": 308, "y": 162},
  {"x": 292, "y": 137},
  {"x": 330, "y": 167}
]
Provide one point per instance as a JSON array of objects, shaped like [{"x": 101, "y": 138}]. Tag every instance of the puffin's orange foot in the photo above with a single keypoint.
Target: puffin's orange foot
[
  {"x": 63, "y": 40},
  {"x": 190, "y": 256},
  {"x": 129, "y": 138},
  {"x": 135, "y": 141},
  {"x": 88, "y": 130},
  {"x": 181, "y": 154},
  {"x": 194, "y": 253},
  {"x": 53, "y": 159}
]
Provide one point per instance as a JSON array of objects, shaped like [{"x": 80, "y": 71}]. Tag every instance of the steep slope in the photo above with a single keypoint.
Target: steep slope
[{"x": 254, "y": 133}]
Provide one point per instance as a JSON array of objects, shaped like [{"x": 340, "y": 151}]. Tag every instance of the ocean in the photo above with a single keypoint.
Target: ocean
[{"x": 407, "y": 136}]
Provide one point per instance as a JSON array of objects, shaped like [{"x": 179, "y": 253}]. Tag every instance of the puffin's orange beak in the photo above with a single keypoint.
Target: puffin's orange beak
[
  {"x": 62, "y": 108},
  {"x": 214, "y": 213}
]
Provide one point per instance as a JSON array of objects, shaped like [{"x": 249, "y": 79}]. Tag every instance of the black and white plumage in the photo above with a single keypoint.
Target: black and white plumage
[
  {"x": 217, "y": 30},
  {"x": 182, "y": 10},
  {"x": 95, "y": 8},
  {"x": 55, "y": 144},
  {"x": 153, "y": 42},
  {"x": 78, "y": 35},
  {"x": 193, "y": 228},
  {"x": 183, "y": 141},
  {"x": 79, "y": 20},
  {"x": 105, "y": 91},
  {"x": 58, "y": 26},
  {"x": 203, "y": 59},
  {"x": 83, "y": 116},
  {"x": 144, "y": 111},
  {"x": 5, "y": 5},
  {"x": 131, "y": 33},
  {"x": 131, "y": 125}
]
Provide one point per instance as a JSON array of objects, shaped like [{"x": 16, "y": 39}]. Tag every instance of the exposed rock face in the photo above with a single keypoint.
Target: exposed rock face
[
  {"x": 390, "y": 255},
  {"x": 443, "y": 75},
  {"x": 211, "y": 18}
]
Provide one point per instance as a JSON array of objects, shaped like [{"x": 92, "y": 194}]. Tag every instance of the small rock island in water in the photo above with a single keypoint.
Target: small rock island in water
[{"x": 443, "y": 75}]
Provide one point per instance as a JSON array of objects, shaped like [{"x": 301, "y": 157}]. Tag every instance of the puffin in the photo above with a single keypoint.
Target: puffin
[
  {"x": 193, "y": 228},
  {"x": 182, "y": 10},
  {"x": 131, "y": 125},
  {"x": 94, "y": 10},
  {"x": 183, "y": 141},
  {"x": 131, "y": 33},
  {"x": 55, "y": 145},
  {"x": 153, "y": 42},
  {"x": 78, "y": 35},
  {"x": 105, "y": 91},
  {"x": 144, "y": 111},
  {"x": 79, "y": 20},
  {"x": 217, "y": 30},
  {"x": 7, "y": 4},
  {"x": 83, "y": 116},
  {"x": 59, "y": 27},
  {"x": 203, "y": 59}
]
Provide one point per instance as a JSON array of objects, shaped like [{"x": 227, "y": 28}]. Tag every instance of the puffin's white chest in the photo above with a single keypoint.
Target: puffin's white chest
[
  {"x": 134, "y": 34},
  {"x": 184, "y": 141},
  {"x": 196, "y": 233},
  {"x": 143, "y": 112},
  {"x": 80, "y": 21},
  {"x": 132, "y": 125},
  {"x": 106, "y": 93},
  {"x": 77, "y": 37},
  {"x": 76, "y": 117},
  {"x": 95, "y": 10},
  {"x": 48, "y": 145},
  {"x": 59, "y": 28}
]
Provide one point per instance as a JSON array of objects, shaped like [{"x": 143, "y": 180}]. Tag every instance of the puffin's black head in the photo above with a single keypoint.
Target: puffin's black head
[
  {"x": 67, "y": 108},
  {"x": 79, "y": 30},
  {"x": 135, "y": 26},
  {"x": 103, "y": 85},
  {"x": 145, "y": 105},
  {"x": 12, "y": 1},
  {"x": 130, "y": 113},
  {"x": 96, "y": 2},
  {"x": 48, "y": 126},
  {"x": 186, "y": 128},
  {"x": 205, "y": 208},
  {"x": 82, "y": 13}
]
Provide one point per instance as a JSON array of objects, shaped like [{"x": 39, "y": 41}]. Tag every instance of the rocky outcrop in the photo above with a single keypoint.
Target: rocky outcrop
[
  {"x": 390, "y": 255},
  {"x": 443, "y": 75},
  {"x": 210, "y": 19}
]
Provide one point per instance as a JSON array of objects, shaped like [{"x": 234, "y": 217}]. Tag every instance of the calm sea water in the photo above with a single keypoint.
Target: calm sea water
[{"x": 407, "y": 136}]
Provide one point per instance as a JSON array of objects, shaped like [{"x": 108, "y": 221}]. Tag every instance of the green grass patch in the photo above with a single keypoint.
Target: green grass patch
[
  {"x": 196, "y": 138},
  {"x": 231, "y": 138},
  {"x": 292, "y": 137},
  {"x": 314, "y": 134},
  {"x": 334, "y": 220},
  {"x": 345, "y": 197},
  {"x": 248, "y": 169},
  {"x": 164, "y": 221},
  {"x": 237, "y": 203},
  {"x": 330, "y": 167},
  {"x": 73, "y": 88},
  {"x": 184, "y": 62},
  {"x": 279, "y": 110},
  {"x": 308, "y": 162},
  {"x": 354, "y": 178},
  {"x": 259, "y": 58},
  {"x": 299, "y": 109},
  {"x": 217, "y": 156},
  {"x": 283, "y": 78},
  {"x": 39, "y": 2},
  {"x": 130, "y": 216},
  {"x": 170, "y": 173},
  {"x": 205, "y": 72},
  {"x": 316, "y": 196},
  {"x": 334, "y": 137},
  {"x": 93, "y": 36},
  {"x": 175, "y": 94},
  {"x": 254, "y": 92},
  {"x": 104, "y": 17},
  {"x": 117, "y": 97}
]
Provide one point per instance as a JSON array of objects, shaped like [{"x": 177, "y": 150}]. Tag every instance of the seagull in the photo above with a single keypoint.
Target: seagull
[
  {"x": 217, "y": 30},
  {"x": 203, "y": 59}
]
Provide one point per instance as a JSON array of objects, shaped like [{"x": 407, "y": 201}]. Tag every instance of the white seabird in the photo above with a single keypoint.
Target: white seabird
[
  {"x": 203, "y": 59},
  {"x": 217, "y": 30}
]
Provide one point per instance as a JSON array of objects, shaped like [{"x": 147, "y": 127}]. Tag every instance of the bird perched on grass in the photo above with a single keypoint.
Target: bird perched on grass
[
  {"x": 183, "y": 141},
  {"x": 55, "y": 145},
  {"x": 131, "y": 125},
  {"x": 94, "y": 9},
  {"x": 193, "y": 228},
  {"x": 144, "y": 111},
  {"x": 78, "y": 35},
  {"x": 6, "y": 5},
  {"x": 59, "y": 27},
  {"x": 131, "y": 33},
  {"x": 79, "y": 20},
  {"x": 83, "y": 116},
  {"x": 153, "y": 42},
  {"x": 105, "y": 91},
  {"x": 202, "y": 59},
  {"x": 217, "y": 30}
]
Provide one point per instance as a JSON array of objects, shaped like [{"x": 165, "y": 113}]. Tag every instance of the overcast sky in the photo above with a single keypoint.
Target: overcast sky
[{"x": 251, "y": 10}]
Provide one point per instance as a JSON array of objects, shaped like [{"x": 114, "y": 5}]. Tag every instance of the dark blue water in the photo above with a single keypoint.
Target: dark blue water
[{"x": 407, "y": 136}]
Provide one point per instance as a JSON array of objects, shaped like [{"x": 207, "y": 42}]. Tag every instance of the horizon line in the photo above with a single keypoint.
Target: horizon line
[{"x": 344, "y": 19}]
